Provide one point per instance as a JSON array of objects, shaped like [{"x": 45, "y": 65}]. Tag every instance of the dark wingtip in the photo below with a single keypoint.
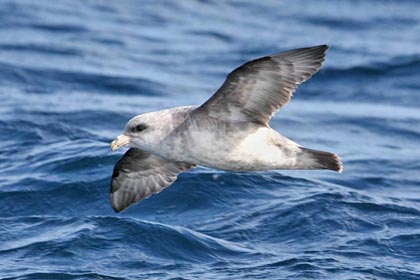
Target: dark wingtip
[
  {"x": 117, "y": 207},
  {"x": 117, "y": 210},
  {"x": 337, "y": 163},
  {"x": 323, "y": 47},
  {"x": 331, "y": 161},
  {"x": 325, "y": 160}
]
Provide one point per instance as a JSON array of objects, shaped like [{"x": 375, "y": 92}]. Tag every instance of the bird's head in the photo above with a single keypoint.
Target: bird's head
[{"x": 139, "y": 133}]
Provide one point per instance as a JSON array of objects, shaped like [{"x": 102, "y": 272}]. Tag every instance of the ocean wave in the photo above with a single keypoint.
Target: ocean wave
[
  {"x": 393, "y": 67},
  {"x": 68, "y": 237},
  {"x": 40, "y": 80}
]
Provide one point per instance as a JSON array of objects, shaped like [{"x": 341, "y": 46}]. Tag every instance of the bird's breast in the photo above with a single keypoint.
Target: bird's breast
[{"x": 238, "y": 149}]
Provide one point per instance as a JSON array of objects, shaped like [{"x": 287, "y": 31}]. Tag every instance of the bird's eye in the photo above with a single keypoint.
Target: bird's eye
[{"x": 139, "y": 128}]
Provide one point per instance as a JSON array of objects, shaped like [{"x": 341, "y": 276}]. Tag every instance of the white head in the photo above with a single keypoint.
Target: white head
[{"x": 142, "y": 131}]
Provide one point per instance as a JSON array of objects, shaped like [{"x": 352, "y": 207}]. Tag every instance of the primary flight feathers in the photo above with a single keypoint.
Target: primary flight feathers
[{"x": 258, "y": 88}]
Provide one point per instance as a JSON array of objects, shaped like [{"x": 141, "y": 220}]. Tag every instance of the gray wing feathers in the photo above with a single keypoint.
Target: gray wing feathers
[
  {"x": 256, "y": 90},
  {"x": 138, "y": 175}
]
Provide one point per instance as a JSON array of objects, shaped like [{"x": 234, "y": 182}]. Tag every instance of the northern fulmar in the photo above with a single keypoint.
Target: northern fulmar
[{"x": 230, "y": 131}]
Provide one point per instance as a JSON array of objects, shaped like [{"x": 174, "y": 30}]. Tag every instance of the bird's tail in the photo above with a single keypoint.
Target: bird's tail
[{"x": 323, "y": 160}]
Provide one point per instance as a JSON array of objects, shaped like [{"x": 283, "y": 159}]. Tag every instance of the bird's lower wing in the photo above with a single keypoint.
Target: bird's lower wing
[{"x": 139, "y": 174}]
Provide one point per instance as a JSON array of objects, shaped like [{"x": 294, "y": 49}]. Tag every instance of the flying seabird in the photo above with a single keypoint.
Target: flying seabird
[{"x": 230, "y": 131}]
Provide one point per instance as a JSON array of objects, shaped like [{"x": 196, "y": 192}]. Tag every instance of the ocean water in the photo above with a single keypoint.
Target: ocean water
[{"x": 73, "y": 72}]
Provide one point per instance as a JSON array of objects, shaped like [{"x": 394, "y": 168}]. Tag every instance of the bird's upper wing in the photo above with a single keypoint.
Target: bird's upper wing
[
  {"x": 257, "y": 89},
  {"x": 139, "y": 174}
]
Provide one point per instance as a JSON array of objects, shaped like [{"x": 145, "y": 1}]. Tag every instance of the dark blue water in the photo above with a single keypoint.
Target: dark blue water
[{"x": 73, "y": 72}]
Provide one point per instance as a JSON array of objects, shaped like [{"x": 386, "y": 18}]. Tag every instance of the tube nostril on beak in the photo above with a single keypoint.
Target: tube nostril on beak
[
  {"x": 120, "y": 141},
  {"x": 114, "y": 145}
]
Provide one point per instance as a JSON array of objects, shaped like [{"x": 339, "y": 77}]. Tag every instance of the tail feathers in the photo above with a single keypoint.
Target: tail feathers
[{"x": 324, "y": 160}]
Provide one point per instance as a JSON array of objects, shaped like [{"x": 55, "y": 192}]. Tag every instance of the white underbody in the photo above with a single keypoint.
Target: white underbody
[
  {"x": 239, "y": 148},
  {"x": 255, "y": 151}
]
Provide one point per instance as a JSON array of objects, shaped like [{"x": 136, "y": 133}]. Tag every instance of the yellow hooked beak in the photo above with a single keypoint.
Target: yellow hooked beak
[{"x": 120, "y": 141}]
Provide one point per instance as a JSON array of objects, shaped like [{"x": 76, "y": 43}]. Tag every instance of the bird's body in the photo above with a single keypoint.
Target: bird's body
[
  {"x": 230, "y": 131},
  {"x": 231, "y": 146}
]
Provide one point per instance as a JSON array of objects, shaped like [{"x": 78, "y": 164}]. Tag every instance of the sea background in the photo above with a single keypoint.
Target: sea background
[{"x": 73, "y": 72}]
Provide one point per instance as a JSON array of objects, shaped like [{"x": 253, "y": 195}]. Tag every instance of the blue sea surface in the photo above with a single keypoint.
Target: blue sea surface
[{"x": 73, "y": 72}]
